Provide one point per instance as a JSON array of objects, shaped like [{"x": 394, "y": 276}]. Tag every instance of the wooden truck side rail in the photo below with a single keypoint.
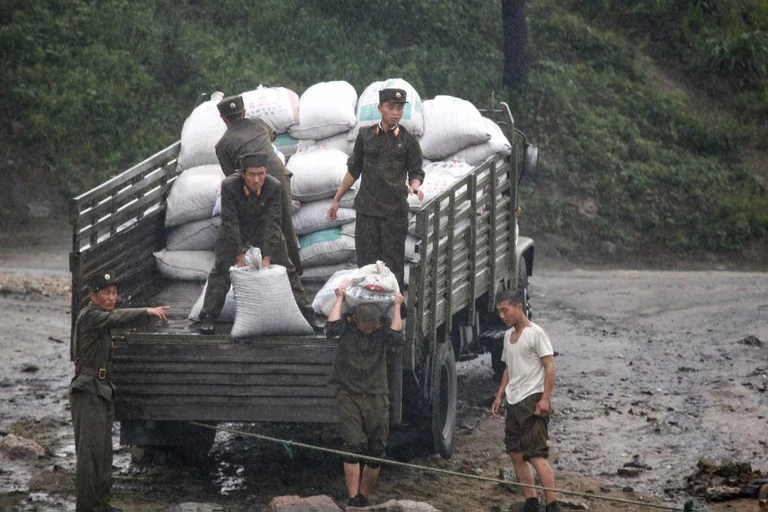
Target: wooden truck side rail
[{"x": 119, "y": 224}]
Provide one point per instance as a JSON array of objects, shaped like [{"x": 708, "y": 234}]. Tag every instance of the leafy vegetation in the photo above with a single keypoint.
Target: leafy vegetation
[{"x": 100, "y": 85}]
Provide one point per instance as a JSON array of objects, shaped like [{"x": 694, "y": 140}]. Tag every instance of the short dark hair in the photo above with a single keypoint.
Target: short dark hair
[
  {"x": 514, "y": 297},
  {"x": 368, "y": 313}
]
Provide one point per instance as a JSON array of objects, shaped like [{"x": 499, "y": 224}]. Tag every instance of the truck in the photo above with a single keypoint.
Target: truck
[{"x": 174, "y": 384}]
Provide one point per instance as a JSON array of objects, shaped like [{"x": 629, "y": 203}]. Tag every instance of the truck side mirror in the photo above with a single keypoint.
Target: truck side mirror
[{"x": 530, "y": 162}]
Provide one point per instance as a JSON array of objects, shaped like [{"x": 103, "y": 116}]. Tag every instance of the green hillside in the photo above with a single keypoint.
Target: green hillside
[{"x": 96, "y": 86}]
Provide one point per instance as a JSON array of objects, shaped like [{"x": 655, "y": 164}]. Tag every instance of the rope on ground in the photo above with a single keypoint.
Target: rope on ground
[{"x": 688, "y": 506}]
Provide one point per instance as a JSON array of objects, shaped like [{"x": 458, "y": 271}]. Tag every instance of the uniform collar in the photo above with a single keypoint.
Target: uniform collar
[{"x": 395, "y": 131}]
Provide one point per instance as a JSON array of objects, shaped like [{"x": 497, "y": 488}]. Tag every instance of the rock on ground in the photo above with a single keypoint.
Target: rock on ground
[{"x": 17, "y": 447}]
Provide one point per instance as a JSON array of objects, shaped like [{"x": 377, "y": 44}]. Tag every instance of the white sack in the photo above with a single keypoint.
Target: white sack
[
  {"x": 322, "y": 273},
  {"x": 326, "y": 109},
  {"x": 338, "y": 141},
  {"x": 185, "y": 265},
  {"x": 438, "y": 177},
  {"x": 313, "y": 217},
  {"x": 374, "y": 283},
  {"x": 199, "y": 135},
  {"x": 326, "y": 296},
  {"x": 199, "y": 235},
  {"x": 317, "y": 173},
  {"x": 478, "y": 153},
  {"x": 276, "y": 106},
  {"x": 264, "y": 303},
  {"x": 227, "y": 313},
  {"x": 193, "y": 195},
  {"x": 450, "y": 125},
  {"x": 287, "y": 145},
  {"x": 411, "y": 243},
  {"x": 368, "y": 107},
  {"x": 326, "y": 247}
]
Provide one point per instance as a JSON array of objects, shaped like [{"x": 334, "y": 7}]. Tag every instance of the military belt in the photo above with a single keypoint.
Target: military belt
[{"x": 99, "y": 373}]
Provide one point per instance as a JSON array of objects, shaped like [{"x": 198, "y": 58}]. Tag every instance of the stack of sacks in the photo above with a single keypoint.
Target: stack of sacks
[
  {"x": 191, "y": 231},
  {"x": 325, "y": 245}
]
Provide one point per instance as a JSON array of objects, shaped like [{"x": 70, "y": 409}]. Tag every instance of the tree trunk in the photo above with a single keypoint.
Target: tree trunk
[{"x": 515, "y": 43}]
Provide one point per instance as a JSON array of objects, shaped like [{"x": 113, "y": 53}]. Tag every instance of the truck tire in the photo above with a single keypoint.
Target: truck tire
[{"x": 444, "y": 400}]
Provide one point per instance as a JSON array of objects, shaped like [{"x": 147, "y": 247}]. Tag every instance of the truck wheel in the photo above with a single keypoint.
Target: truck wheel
[
  {"x": 444, "y": 400},
  {"x": 195, "y": 443}
]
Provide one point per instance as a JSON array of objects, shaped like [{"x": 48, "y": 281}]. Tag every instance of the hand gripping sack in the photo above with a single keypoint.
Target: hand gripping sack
[{"x": 264, "y": 303}]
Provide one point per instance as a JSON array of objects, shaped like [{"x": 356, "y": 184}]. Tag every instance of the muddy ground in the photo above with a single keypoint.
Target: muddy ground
[{"x": 655, "y": 368}]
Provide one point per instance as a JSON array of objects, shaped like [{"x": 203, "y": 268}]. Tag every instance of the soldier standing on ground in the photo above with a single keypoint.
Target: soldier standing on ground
[
  {"x": 91, "y": 392},
  {"x": 525, "y": 392},
  {"x": 385, "y": 155},
  {"x": 254, "y": 136},
  {"x": 366, "y": 341},
  {"x": 250, "y": 217}
]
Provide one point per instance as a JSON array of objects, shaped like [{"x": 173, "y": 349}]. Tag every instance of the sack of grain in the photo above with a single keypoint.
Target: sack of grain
[
  {"x": 277, "y": 106},
  {"x": 440, "y": 176},
  {"x": 227, "y": 312},
  {"x": 374, "y": 283},
  {"x": 199, "y": 135},
  {"x": 259, "y": 293},
  {"x": 326, "y": 247},
  {"x": 287, "y": 145},
  {"x": 338, "y": 141},
  {"x": 193, "y": 195},
  {"x": 368, "y": 107},
  {"x": 185, "y": 265},
  {"x": 450, "y": 125},
  {"x": 498, "y": 144},
  {"x": 199, "y": 235},
  {"x": 317, "y": 173},
  {"x": 326, "y": 109},
  {"x": 326, "y": 296},
  {"x": 313, "y": 217}
]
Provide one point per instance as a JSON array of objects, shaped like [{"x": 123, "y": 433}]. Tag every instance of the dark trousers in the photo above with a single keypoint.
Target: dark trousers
[
  {"x": 382, "y": 238},
  {"x": 92, "y": 417},
  {"x": 219, "y": 284}
]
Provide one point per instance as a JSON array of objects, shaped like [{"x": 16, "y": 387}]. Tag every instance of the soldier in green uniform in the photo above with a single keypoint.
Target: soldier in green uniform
[
  {"x": 91, "y": 393},
  {"x": 366, "y": 341},
  {"x": 254, "y": 136},
  {"x": 389, "y": 160},
  {"x": 250, "y": 217}
]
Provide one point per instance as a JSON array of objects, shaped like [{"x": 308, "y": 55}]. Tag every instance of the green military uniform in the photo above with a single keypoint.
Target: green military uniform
[
  {"x": 360, "y": 372},
  {"x": 91, "y": 399},
  {"x": 249, "y": 136},
  {"x": 248, "y": 220},
  {"x": 385, "y": 160}
]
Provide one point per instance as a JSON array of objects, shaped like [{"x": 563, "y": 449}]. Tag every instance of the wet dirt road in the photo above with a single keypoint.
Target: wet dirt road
[{"x": 661, "y": 368}]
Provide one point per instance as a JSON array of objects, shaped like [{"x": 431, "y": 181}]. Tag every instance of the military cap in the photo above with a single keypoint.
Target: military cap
[
  {"x": 101, "y": 280},
  {"x": 253, "y": 160},
  {"x": 393, "y": 95},
  {"x": 231, "y": 105}
]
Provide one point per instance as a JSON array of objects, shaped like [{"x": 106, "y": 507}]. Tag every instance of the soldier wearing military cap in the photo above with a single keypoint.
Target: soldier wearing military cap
[
  {"x": 387, "y": 159},
  {"x": 91, "y": 392},
  {"x": 250, "y": 217},
  {"x": 254, "y": 136}
]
